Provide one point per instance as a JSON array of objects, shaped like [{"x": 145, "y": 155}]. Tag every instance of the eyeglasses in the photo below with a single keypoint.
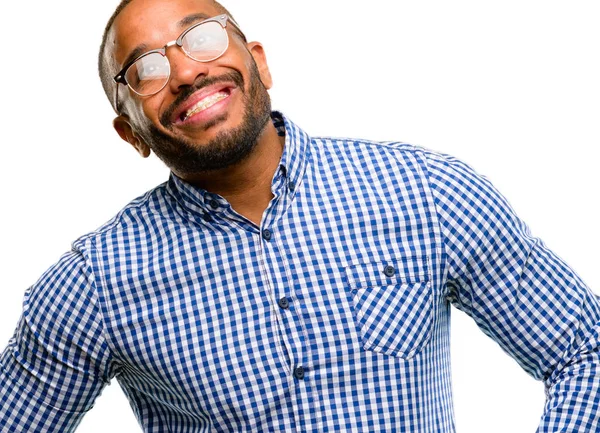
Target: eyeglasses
[{"x": 149, "y": 73}]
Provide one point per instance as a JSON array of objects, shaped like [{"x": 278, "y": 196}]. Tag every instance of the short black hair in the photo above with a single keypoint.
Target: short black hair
[{"x": 105, "y": 69}]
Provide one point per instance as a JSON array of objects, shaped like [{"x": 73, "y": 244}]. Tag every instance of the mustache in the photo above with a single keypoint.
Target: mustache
[{"x": 186, "y": 92}]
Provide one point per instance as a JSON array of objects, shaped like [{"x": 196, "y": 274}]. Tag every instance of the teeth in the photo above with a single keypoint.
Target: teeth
[{"x": 205, "y": 103}]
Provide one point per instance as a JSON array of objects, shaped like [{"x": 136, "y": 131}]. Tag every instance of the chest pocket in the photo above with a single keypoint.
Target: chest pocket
[{"x": 393, "y": 305}]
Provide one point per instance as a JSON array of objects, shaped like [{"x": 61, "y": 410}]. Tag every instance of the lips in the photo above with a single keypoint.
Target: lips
[{"x": 201, "y": 100}]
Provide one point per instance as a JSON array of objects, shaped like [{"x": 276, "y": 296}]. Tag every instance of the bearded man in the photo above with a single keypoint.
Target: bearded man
[{"x": 278, "y": 281}]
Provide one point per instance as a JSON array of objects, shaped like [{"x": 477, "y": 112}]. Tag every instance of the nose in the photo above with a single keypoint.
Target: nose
[{"x": 184, "y": 70}]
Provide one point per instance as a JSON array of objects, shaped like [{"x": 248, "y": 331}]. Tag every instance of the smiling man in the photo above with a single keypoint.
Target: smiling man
[
  {"x": 204, "y": 110},
  {"x": 282, "y": 282}
]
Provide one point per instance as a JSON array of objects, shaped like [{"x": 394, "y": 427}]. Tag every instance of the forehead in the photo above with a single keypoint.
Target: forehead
[{"x": 153, "y": 23}]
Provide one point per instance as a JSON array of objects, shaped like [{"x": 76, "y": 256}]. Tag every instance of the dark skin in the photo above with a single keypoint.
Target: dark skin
[{"x": 246, "y": 184}]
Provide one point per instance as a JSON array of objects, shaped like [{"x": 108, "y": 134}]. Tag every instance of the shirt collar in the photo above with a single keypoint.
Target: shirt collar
[{"x": 289, "y": 175}]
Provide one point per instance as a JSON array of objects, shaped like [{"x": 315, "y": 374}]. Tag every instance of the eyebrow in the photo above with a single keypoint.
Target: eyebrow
[
  {"x": 137, "y": 51},
  {"x": 191, "y": 19},
  {"x": 184, "y": 22}
]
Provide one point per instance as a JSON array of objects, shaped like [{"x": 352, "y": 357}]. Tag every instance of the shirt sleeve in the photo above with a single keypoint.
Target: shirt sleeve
[
  {"x": 58, "y": 361},
  {"x": 520, "y": 294}
]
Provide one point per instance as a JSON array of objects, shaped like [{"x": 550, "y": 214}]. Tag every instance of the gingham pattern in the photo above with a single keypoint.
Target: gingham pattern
[{"x": 178, "y": 299}]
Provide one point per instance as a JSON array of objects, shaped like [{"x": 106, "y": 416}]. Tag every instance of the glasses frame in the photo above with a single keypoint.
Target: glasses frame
[{"x": 120, "y": 77}]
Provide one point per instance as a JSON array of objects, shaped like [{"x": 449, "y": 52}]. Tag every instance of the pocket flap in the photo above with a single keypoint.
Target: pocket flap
[{"x": 410, "y": 269}]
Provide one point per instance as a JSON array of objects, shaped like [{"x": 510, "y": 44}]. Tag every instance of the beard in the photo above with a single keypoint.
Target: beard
[{"x": 227, "y": 148}]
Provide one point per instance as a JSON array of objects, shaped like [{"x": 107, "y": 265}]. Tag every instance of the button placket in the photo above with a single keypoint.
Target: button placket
[
  {"x": 288, "y": 320},
  {"x": 283, "y": 302}
]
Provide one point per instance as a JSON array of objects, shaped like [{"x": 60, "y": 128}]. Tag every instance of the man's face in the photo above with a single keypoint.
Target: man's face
[{"x": 175, "y": 122}]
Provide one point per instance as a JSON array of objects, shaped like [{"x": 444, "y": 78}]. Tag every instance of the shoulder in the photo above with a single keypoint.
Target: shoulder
[
  {"x": 383, "y": 153},
  {"x": 361, "y": 144},
  {"x": 404, "y": 164},
  {"x": 137, "y": 216}
]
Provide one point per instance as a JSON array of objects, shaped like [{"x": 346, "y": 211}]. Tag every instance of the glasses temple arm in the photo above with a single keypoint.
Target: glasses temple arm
[
  {"x": 237, "y": 27},
  {"x": 116, "y": 104}
]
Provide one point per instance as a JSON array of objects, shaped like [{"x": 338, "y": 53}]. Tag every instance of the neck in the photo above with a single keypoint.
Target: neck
[{"x": 247, "y": 185}]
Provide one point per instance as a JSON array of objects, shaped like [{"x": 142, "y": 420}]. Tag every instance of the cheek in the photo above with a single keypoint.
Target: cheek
[
  {"x": 140, "y": 116},
  {"x": 147, "y": 111}
]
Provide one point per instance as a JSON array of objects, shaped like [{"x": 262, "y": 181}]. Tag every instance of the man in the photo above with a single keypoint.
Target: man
[{"x": 281, "y": 282}]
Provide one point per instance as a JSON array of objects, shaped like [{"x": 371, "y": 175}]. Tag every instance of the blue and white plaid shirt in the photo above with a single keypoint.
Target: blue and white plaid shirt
[{"x": 333, "y": 315}]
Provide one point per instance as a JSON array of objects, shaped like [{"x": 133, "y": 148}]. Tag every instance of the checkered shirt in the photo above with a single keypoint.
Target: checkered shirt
[{"x": 333, "y": 315}]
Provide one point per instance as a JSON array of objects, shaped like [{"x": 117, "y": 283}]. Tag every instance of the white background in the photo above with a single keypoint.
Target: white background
[{"x": 511, "y": 87}]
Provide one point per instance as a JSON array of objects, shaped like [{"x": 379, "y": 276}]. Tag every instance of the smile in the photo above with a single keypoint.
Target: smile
[{"x": 205, "y": 103}]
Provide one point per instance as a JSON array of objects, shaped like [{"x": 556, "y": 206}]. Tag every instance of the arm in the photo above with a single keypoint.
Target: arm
[
  {"x": 58, "y": 361},
  {"x": 520, "y": 294}
]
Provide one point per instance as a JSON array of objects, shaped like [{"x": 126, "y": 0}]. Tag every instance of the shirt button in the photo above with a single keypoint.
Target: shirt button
[
  {"x": 299, "y": 373},
  {"x": 389, "y": 271},
  {"x": 214, "y": 204},
  {"x": 267, "y": 235},
  {"x": 292, "y": 186},
  {"x": 284, "y": 303}
]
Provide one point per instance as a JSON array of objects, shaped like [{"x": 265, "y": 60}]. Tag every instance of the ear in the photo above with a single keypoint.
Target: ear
[
  {"x": 258, "y": 53},
  {"x": 126, "y": 132}
]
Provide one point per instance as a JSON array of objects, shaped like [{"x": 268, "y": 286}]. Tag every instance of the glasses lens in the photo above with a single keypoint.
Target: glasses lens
[
  {"x": 205, "y": 42},
  {"x": 149, "y": 74}
]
